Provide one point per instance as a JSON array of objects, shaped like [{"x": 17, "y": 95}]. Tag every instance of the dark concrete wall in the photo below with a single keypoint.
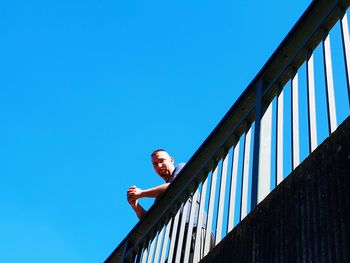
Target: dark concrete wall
[{"x": 305, "y": 219}]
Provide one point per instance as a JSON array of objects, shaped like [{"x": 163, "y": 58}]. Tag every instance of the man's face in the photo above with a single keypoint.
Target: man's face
[{"x": 163, "y": 164}]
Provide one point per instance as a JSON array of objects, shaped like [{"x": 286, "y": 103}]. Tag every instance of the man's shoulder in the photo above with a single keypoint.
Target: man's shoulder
[{"x": 177, "y": 170}]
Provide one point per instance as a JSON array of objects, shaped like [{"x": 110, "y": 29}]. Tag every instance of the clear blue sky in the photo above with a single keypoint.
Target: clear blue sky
[{"x": 89, "y": 88}]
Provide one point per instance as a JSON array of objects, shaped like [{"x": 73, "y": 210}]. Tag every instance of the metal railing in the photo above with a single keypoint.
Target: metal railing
[{"x": 297, "y": 100}]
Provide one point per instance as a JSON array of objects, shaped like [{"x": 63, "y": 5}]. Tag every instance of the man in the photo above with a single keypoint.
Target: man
[{"x": 164, "y": 166}]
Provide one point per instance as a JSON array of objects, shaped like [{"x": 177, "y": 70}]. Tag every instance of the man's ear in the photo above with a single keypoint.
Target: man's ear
[{"x": 172, "y": 159}]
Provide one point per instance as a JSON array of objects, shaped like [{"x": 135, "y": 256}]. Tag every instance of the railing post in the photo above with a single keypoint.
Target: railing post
[
  {"x": 152, "y": 245},
  {"x": 198, "y": 248},
  {"x": 279, "y": 136},
  {"x": 256, "y": 148},
  {"x": 159, "y": 245},
  {"x": 264, "y": 174},
  {"x": 173, "y": 236},
  {"x": 220, "y": 211},
  {"x": 295, "y": 117},
  {"x": 139, "y": 255},
  {"x": 145, "y": 255},
  {"x": 332, "y": 116},
  {"x": 166, "y": 241},
  {"x": 233, "y": 189},
  {"x": 188, "y": 243},
  {"x": 181, "y": 232},
  {"x": 346, "y": 47},
  {"x": 311, "y": 102},
  {"x": 245, "y": 173},
  {"x": 210, "y": 209}
]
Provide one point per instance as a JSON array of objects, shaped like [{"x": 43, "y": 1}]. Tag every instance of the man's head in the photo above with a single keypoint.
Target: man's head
[{"x": 163, "y": 163}]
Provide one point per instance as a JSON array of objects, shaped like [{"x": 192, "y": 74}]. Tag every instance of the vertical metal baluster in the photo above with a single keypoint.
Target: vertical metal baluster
[
  {"x": 245, "y": 174},
  {"x": 151, "y": 249},
  {"x": 165, "y": 242},
  {"x": 139, "y": 254},
  {"x": 173, "y": 236},
  {"x": 311, "y": 103},
  {"x": 295, "y": 122},
  {"x": 159, "y": 245},
  {"x": 181, "y": 233},
  {"x": 279, "y": 138},
  {"x": 332, "y": 118},
  {"x": 134, "y": 257},
  {"x": 198, "y": 248},
  {"x": 264, "y": 179},
  {"x": 190, "y": 225},
  {"x": 256, "y": 148},
  {"x": 210, "y": 210},
  {"x": 233, "y": 189},
  {"x": 346, "y": 49},
  {"x": 145, "y": 255},
  {"x": 221, "y": 205}
]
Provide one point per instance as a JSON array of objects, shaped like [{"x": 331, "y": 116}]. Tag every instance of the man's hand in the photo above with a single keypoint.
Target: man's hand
[
  {"x": 132, "y": 202},
  {"x": 134, "y": 193}
]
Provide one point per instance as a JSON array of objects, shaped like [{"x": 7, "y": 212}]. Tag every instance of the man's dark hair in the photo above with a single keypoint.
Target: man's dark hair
[{"x": 156, "y": 151}]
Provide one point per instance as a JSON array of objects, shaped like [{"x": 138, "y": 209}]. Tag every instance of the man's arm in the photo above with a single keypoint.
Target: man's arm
[
  {"x": 156, "y": 192},
  {"x": 139, "y": 210}
]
